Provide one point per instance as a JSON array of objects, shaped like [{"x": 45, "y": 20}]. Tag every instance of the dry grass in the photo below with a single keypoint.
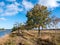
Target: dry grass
[{"x": 29, "y": 37}]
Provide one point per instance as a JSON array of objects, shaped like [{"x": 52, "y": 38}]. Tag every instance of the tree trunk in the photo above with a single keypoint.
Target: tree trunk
[
  {"x": 38, "y": 31},
  {"x": 55, "y": 32},
  {"x": 42, "y": 27},
  {"x": 18, "y": 32}
]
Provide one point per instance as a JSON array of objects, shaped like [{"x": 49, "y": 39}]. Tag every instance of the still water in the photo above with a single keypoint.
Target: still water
[{"x": 3, "y": 32}]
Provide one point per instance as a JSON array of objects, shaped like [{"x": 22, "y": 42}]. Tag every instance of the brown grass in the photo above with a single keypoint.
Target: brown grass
[{"x": 29, "y": 37}]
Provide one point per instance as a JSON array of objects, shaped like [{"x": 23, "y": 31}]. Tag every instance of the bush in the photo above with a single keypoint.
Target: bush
[
  {"x": 13, "y": 34},
  {"x": 14, "y": 29}
]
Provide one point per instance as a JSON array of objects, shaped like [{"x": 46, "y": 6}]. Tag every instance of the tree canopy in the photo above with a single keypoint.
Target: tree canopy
[{"x": 39, "y": 16}]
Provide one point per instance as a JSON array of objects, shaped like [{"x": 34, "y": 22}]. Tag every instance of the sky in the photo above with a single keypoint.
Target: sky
[{"x": 12, "y": 11}]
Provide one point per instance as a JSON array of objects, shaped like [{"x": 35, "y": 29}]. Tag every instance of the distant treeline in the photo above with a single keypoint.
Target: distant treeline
[
  {"x": 1, "y": 28},
  {"x": 51, "y": 29}
]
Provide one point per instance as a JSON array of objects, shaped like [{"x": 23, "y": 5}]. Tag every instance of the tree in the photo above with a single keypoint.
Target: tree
[
  {"x": 16, "y": 27},
  {"x": 55, "y": 21},
  {"x": 19, "y": 27},
  {"x": 22, "y": 26},
  {"x": 38, "y": 16}
]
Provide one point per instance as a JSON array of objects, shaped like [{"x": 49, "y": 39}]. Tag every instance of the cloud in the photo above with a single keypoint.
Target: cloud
[
  {"x": 27, "y": 5},
  {"x": 3, "y": 19},
  {"x": 17, "y": 4},
  {"x": 2, "y": 4},
  {"x": 11, "y": 9},
  {"x": 57, "y": 0},
  {"x": 49, "y": 3},
  {"x": 1, "y": 10},
  {"x": 14, "y": 8},
  {"x": 11, "y": 0}
]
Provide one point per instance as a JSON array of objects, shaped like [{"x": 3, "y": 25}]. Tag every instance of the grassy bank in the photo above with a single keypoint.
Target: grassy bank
[{"x": 30, "y": 38}]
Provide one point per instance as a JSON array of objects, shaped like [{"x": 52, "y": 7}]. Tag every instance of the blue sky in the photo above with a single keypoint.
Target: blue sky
[{"x": 12, "y": 11}]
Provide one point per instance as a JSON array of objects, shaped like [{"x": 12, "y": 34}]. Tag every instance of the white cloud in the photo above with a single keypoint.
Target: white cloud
[
  {"x": 11, "y": 9},
  {"x": 49, "y": 3},
  {"x": 57, "y": 0},
  {"x": 11, "y": 0},
  {"x": 1, "y": 10},
  {"x": 3, "y": 19},
  {"x": 27, "y": 5},
  {"x": 2, "y": 4},
  {"x": 17, "y": 4},
  {"x": 14, "y": 8}
]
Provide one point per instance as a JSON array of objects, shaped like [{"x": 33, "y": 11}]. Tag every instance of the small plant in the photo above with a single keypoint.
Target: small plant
[{"x": 13, "y": 35}]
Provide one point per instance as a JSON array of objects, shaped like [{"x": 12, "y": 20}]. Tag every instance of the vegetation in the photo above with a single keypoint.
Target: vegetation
[
  {"x": 1, "y": 28},
  {"x": 15, "y": 27},
  {"x": 10, "y": 42},
  {"x": 44, "y": 42},
  {"x": 39, "y": 16},
  {"x": 30, "y": 38}
]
